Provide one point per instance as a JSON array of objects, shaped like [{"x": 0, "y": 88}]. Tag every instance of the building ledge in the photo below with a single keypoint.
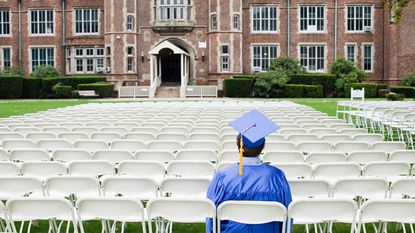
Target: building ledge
[{"x": 173, "y": 26}]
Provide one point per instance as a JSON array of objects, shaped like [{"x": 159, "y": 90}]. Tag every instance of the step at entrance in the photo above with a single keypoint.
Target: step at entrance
[{"x": 168, "y": 92}]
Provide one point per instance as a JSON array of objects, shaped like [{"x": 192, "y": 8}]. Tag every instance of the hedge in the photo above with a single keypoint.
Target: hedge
[
  {"x": 62, "y": 91},
  {"x": 47, "y": 85},
  {"x": 31, "y": 88},
  {"x": 104, "y": 90},
  {"x": 328, "y": 81},
  {"x": 11, "y": 86},
  {"x": 238, "y": 87},
  {"x": 74, "y": 81},
  {"x": 302, "y": 91},
  {"x": 409, "y": 92},
  {"x": 371, "y": 89}
]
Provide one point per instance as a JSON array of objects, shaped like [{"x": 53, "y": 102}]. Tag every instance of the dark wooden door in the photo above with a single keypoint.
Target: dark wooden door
[{"x": 170, "y": 68}]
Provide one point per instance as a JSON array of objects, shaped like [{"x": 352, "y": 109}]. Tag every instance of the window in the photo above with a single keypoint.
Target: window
[
  {"x": 312, "y": 19},
  {"x": 265, "y": 18},
  {"x": 359, "y": 17},
  {"x": 130, "y": 23},
  {"x": 312, "y": 57},
  {"x": 351, "y": 52},
  {"x": 130, "y": 59},
  {"x": 214, "y": 22},
  {"x": 177, "y": 10},
  {"x": 42, "y": 22},
  {"x": 89, "y": 60},
  {"x": 42, "y": 57},
  {"x": 86, "y": 21},
  {"x": 262, "y": 56},
  {"x": 236, "y": 22},
  {"x": 6, "y": 61},
  {"x": 367, "y": 57},
  {"x": 224, "y": 57},
  {"x": 4, "y": 22}
]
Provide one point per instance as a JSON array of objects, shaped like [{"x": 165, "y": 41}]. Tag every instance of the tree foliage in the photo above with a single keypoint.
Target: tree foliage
[{"x": 395, "y": 8}]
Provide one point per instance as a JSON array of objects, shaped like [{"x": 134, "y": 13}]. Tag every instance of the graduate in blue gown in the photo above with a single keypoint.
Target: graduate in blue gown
[{"x": 254, "y": 180}]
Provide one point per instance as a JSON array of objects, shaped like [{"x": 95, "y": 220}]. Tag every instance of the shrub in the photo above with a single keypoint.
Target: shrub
[
  {"x": 74, "y": 81},
  {"x": 347, "y": 72},
  {"x": 409, "y": 80},
  {"x": 62, "y": 91},
  {"x": 289, "y": 65},
  {"x": 383, "y": 92},
  {"x": 270, "y": 84},
  {"x": 47, "y": 85},
  {"x": 342, "y": 66},
  {"x": 11, "y": 86},
  {"x": 104, "y": 90},
  {"x": 409, "y": 92},
  {"x": 44, "y": 72},
  {"x": 371, "y": 89},
  {"x": 302, "y": 91},
  {"x": 31, "y": 88},
  {"x": 238, "y": 87},
  {"x": 395, "y": 97},
  {"x": 326, "y": 80}
]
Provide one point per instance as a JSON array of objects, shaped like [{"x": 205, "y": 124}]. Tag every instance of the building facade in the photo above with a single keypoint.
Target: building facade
[{"x": 201, "y": 42}]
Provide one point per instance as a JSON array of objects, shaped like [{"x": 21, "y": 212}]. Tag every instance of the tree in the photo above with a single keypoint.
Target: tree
[{"x": 395, "y": 8}]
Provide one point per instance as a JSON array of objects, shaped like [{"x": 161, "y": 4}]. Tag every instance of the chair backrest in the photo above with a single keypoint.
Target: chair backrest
[
  {"x": 276, "y": 146},
  {"x": 369, "y": 138},
  {"x": 86, "y": 130},
  {"x": 289, "y": 131},
  {"x": 197, "y": 154},
  {"x": 43, "y": 169},
  {"x": 357, "y": 94},
  {"x": 30, "y": 155},
  {"x": 201, "y": 145},
  {"x": 10, "y": 135},
  {"x": 184, "y": 187},
  {"x": 64, "y": 186},
  {"x": 363, "y": 157},
  {"x": 68, "y": 155},
  {"x": 171, "y": 146},
  {"x": 192, "y": 210},
  {"x": 283, "y": 157},
  {"x": 2, "y": 211},
  {"x": 204, "y": 137},
  {"x": 143, "y": 137},
  {"x": 181, "y": 137},
  {"x": 150, "y": 169},
  {"x": 326, "y": 157},
  {"x": 309, "y": 188},
  {"x": 113, "y": 156},
  {"x": 320, "y": 132},
  {"x": 336, "y": 171},
  {"x": 39, "y": 208},
  {"x": 402, "y": 188},
  {"x": 309, "y": 147},
  {"x": 129, "y": 186},
  {"x": 12, "y": 144},
  {"x": 4, "y": 155},
  {"x": 335, "y": 138},
  {"x": 114, "y": 130},
  {"x": 9, "y": 169},
  {"x": 91, "y": 145},
  {"x": 106, "y": 136},
  {"x": 388, "y": 147},
  {"x": 54, "y": 144},
  {"x": 348, "y": 147},
  {"x": 365, "y": 187},
  {"x": 403, "y": 156},
  {"x": 155, "y": 155},
  {"x": 386, "y": 169},
  {"x": 190, "y": 169},
  {"x": 19, "y": 186},
  {"x": 402, "y": 211},
  {"x": 73, "y": 136},
  {"x": 295, "y": 171},
  {"x": 297, "y": 138},
  {"x": 91, "y": 168},
  {"x": 128, "y": 145},
  {"x": 40, "y": 135}
]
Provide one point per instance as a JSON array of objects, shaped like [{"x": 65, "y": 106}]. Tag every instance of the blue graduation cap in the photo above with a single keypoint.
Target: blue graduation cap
[{"x": 253, "y": 128}]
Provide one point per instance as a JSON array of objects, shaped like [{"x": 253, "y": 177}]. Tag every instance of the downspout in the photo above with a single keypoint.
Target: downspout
[
  {"x": 288, "y": 28},
  {"x": 20, "y": 37},
  {"x": 335, "y": 28},
  {"x": 64, "y": 37}
]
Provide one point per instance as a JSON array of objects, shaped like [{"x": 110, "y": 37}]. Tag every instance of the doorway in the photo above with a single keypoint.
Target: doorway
[{"x": 170, "y": 68}]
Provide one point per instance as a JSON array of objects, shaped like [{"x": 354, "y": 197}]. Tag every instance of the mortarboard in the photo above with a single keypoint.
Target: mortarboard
[{"x": 253, "y": 127}]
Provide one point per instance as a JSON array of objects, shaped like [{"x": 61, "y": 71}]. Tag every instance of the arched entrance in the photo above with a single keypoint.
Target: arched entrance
[{"x": 170, "y": 67}]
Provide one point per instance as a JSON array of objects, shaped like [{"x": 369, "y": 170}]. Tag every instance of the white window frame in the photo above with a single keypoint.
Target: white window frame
[
  {"x": 9, "y": 23},
  {"x": 130, "y": 56},
  {"x": 308, "y": 45},
  {"x": 2, "y": 57},
  {"x": 346, "y": 51},
  {"x": 40, "y": 47},
  {"x": 269, "y": 19},
  {"x": 236, "y": 21},
  {"x": 83, "y": 33},
  {"x": 308, "y": 31},
  {"x": 372, "y": 57},
  {"x": 84, "y": 57},
  {"x": 225, "y": 55},
  {"x": 130, "y": 24},
  {"x": 45, "y": 22},
  {"x": 165, "y": 8},
  {"x": 346, "y": 21},
  {"x": 214, "y": 23},
  {"x": 261, "y": 45}
]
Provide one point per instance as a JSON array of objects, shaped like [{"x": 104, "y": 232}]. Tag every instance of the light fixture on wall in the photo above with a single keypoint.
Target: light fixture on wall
[
  {"x": 203, "y": 55},
  {"x": 142, "y": 57}
]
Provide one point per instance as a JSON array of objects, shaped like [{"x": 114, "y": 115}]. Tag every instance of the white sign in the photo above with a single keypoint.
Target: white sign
[{"x": 202, "y": 45}]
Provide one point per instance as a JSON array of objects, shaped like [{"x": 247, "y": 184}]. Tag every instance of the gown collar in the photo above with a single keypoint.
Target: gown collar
[{"x": 251, "y": 161}]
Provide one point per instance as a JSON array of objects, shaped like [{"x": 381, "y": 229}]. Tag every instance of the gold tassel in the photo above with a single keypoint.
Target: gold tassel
[{"x": 241, "y": 151}]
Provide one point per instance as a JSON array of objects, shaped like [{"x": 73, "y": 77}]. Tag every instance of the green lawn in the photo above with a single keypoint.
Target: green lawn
[{"x": 12, "y": 108}]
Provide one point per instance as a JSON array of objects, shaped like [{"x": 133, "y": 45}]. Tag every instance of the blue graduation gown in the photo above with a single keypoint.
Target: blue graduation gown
[{"x": 260, "y": 182}]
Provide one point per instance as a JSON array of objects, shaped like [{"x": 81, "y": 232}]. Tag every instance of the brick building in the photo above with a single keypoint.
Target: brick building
[{"x": 201, "y": 42}]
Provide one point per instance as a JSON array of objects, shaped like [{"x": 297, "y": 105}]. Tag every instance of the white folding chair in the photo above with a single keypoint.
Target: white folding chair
[
  {"x": 228, "y": 156},
  {"x": 309, "y": 188},
  {"x": 128, "y": 145},
  {"x": 30, "y": 155},
  {"x": 129, "y": 186},
  {"x": 9, "y": 169},
  {"x": 223, "y": 165},
  {"x": 117, "y": 209},
  {"x": 388, "y": 147},
  {"x": 35, "y": 208},
  {"x": 348, "y": 147},
  {"x": 114, "y": 130},
  {"x": 113, "y": 156},
  {"x": 54, "y": 144},
  {"x": 190, "y": 169},
  {"x": 298, "y": 138},
  {"x": 142, "y": 169},
  {"x": 36, "y": 136},
  {"x": 66, "y": 186},
  {"x": 276, "y": 146},
  {"x": 204, "y": 137},
  {"x": 142, "y": 137},
  {"x": 201, "y": 145},
  {"x": 72, "y": 136},
  {"x": 283, "y": 157},
  {"x": 388, "y": 170},
  {"x": 85, "y": 130},
  {"x": 145, "y": 130},
  {"x": 20, "y": 186},
  {"x": 3, "y": 223},
  {"x": 317, "y": 211},
  {"x": 155, "y": 155},
  {"x": 402, "y": 188},
  {"x": 91, "y": 145},
  {"x": 320, "y": 132},
  {"x": 286, "y": 132},
  {"x": 335, "y": 138},
  {"x": 309, "y": 147},
  {"x": 197, "y": 154},
  {"x": 192, "y": 210},
  {"x": 172, "y": 146},
  {"x": 55, "y": 130},
  {"x": 252, "y": 212},
  {"x": 106, "y": 136},
  {"x": 295, "y": 171},
  {"x": 4, "y": 155},
  {"x": 362, "y": 187},
  {"x": 369, "y": 138},
  {"x": 172, "y": 137},
  {"x": 12, "y": 144},
  {"x": 403, "y": 156},
  {"x": 326, "y": 157},
  {"x": 68, "y": 155},
  {"x": 332, "y": 172},
  {"x": 353, "y": 132},
  {"x": 363, "y": 157},
  {"x": 184, "y": 187},
  {"x": 43, "y": 170},
  {"x": 228, "y": 145},
  {"x": 91, "y": 168}
]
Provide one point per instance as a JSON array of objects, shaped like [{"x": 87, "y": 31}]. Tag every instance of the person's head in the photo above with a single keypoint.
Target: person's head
[{"x": 250, "y": 149}]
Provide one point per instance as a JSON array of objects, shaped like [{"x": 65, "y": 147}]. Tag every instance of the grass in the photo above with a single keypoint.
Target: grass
[{"x": 13, "y": 108}]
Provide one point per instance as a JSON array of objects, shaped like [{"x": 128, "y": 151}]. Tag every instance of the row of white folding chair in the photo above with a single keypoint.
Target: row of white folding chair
[{"x": 97, "y": 168}]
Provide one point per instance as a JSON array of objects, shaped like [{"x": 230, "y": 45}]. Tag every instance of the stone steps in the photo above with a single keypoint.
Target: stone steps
[{"x": 168, "y": 92}]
